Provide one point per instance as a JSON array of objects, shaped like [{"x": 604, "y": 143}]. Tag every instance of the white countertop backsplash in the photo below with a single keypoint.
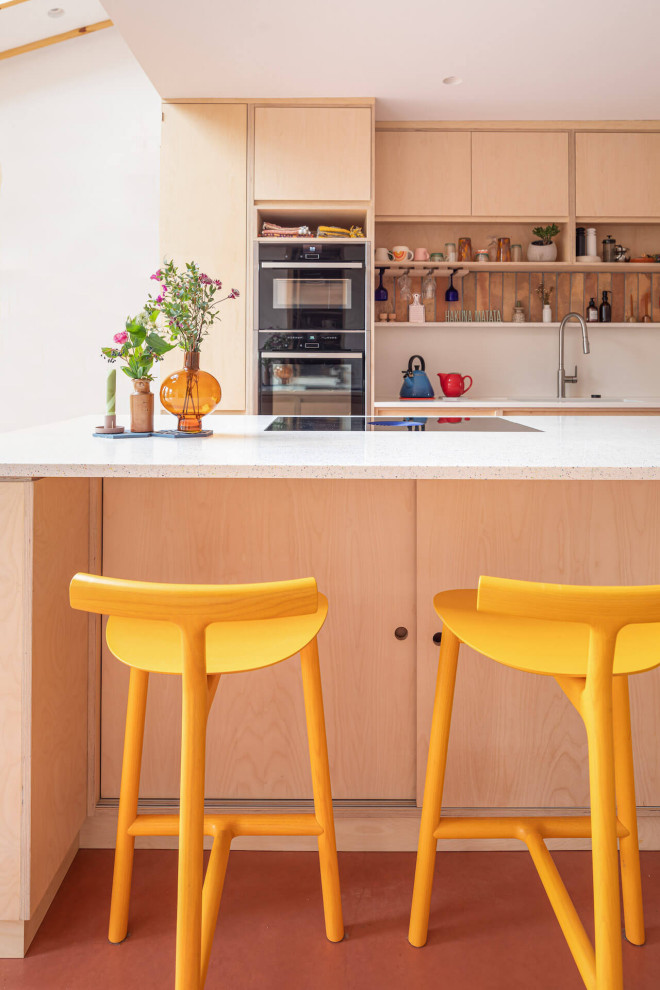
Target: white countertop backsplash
[{"x": 569, "y": 447}]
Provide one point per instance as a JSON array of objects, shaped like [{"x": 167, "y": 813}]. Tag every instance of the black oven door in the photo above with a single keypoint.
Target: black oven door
[
  {"x": 319, "y": 295},
  {"x": 297, "y": 383}
]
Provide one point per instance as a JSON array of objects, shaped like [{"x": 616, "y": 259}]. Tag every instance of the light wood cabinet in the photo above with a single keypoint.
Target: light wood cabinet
[
  {"x": 422, "y": 173},
  {"x": 617, "y": 174},
  {"x": 204, "y": 219},
  {"x": 350, "y": 535},
  {"x": 312, "y": 153},
  {"x": 518, "y": 173},
  {"x": 515, "y": 740}
]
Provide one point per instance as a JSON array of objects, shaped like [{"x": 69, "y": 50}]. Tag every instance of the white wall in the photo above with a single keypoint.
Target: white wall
[
  {"x": 520, "y": 361},
  {"x": 79, "y": 153}
]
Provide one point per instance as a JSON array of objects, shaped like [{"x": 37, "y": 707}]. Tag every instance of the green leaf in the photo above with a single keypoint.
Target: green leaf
[
  {"x": 157, "y": 344},
  {"x": 127, "y": 371},
  {"x": 137, "y": 336}
]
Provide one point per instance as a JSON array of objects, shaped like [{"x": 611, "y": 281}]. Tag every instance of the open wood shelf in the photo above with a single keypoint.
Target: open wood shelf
[
  {"x": 502, "y": 323},
  {"x": 396, "y": 267}
]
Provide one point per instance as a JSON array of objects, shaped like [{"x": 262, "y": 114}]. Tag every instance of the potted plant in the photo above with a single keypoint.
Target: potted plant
[
  {"x": 138, "y": 347},
  {"x": 544, "y": 248},
  {"x": 188, "y": 302},
  {"x": 545, "y": 294}
]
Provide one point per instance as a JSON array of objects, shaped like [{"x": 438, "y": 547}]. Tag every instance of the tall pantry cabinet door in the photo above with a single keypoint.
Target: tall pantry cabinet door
[
  {"x": 520, "y": 174},
  {"x": 422, "y": 173},
  {"x": 203, "y": 209},
  {"x": 312, "y": 153},
  {"x": 617, "y": 175}
]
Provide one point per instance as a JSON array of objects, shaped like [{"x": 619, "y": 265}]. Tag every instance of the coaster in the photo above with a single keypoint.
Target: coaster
[
  {"x": 176, "y": 434},
  {"x": 167, "y": 434},
  {"x": 120, "y": 434}
]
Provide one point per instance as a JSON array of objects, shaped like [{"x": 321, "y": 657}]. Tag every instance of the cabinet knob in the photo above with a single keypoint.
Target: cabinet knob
[
  {"x": 437, "y": 638},
  {"x": 401, "y": 632}
]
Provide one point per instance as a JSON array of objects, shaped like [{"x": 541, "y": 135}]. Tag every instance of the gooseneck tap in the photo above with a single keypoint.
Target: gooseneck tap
[{"x": 562, "y": 377}]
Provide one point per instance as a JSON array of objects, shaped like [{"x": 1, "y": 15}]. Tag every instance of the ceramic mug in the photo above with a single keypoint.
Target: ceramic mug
[
  {"x": 382, "y": 255},
  {"x": 401, "y": 253},
  {"x": 421, "y": 254},
  {"x": 437, "y": 256}
]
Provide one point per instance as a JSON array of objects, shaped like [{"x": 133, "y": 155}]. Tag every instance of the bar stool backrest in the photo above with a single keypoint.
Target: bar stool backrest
[
  {"x": 196, "y": 605},
  {"x": 604, "y": 608}
]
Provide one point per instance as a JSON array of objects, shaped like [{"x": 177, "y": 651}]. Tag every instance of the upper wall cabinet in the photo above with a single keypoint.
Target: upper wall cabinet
[
  {"x": 422, "y": 173},
  {"x": 617, "y": 175},
  {"x": 203, "y": 219},
  {"x": 519, "y": 174},
  {"x": 312, "y": 153}
]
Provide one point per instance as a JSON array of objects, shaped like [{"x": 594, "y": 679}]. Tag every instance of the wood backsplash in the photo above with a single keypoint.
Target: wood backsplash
[{"x": 631, "y": 293}]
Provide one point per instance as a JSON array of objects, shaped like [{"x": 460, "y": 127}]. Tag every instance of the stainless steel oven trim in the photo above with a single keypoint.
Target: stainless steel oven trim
[
  {"x": 337, "y": 265},
  {"x": 355, "y": 356}
]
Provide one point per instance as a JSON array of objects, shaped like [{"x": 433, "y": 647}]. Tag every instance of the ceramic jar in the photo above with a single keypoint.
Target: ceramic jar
[{"x": 142, "y": 406}]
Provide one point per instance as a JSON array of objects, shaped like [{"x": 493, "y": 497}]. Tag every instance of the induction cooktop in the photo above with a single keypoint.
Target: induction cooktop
[{"x": 405, "y": 424}]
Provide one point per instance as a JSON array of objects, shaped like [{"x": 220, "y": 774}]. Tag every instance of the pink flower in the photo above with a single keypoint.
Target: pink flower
[
  {"x": 120, "y": 338},
  {"x": 157, "y": 275},
  {"x": 234, "y": 294},
  {"x": 217, "y": 283},
  {"x": 159, "y": 299},
  {"x": 164, "y": 288}
]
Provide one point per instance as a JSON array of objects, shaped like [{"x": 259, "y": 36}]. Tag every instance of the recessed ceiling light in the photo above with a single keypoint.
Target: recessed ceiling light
[
  {"x": 452, "y": 80},
  {"x": 56, "y": 11}
]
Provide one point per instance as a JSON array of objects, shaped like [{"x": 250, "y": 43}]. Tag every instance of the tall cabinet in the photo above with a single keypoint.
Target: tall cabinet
[{"x": 204, "y": 217}]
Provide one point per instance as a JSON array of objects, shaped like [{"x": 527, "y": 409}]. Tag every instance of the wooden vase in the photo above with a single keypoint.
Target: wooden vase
[{"x": 142, "y": 407}]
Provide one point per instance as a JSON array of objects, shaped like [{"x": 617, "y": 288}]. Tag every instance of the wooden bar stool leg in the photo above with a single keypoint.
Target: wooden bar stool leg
[
  {"x": 191, "y": 815},
  {"x": 631, "y": 877},
  {"x": 433, "y": 787},
  {"x": 318, "y": 756},
  {"x": 597, "y": 714},
  {"x": 212, "y": 895},
  {"x": 128, "y": 802}
]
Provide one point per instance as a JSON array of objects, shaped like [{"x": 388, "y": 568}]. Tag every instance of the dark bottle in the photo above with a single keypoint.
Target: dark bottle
[
  {"x": 580, "y": 242},
  {"x": 605, "y": 310},
  {"x": 592, "y": 311}
]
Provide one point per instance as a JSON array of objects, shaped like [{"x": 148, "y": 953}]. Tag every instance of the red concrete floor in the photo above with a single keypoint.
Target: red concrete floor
[{"x": 491, "y": 926}]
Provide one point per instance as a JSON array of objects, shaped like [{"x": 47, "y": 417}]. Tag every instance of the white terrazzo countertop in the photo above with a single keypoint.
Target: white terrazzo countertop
[{"x": 580, "y": 447}]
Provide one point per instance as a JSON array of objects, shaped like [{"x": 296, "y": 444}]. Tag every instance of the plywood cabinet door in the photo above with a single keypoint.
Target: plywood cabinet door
[
  {"x": 422, "y": 173},
  {"x": 312, "y": 153},
  {"x": 357, "y": 539},
  {"x": 519, "y": 174},
  {"x": 617, "y": 175},
  {"x": 203, "y": 219}
]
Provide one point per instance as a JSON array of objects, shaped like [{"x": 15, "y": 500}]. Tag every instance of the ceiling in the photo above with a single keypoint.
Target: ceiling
[
  {"x": 29, "y": 21},
  {"x": 519, "y": 59}
]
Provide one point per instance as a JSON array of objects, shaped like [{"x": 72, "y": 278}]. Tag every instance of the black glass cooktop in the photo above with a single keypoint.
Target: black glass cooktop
[{"x": 406, "y": 424}]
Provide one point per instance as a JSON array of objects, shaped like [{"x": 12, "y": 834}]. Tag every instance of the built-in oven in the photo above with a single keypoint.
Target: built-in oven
[
  {"x": 304, "y": 286},
  {"x": 312, "y": 374}
]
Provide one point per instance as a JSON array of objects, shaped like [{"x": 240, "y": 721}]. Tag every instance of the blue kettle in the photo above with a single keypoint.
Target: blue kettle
[{"x": 416, "y": 384}]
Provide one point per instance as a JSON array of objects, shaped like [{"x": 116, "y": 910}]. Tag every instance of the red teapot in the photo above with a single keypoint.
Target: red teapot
[{"x": 453, "y": 384}]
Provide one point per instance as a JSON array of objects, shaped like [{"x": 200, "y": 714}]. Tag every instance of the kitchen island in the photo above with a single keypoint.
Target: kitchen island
[{"x": 383, "y": 521}]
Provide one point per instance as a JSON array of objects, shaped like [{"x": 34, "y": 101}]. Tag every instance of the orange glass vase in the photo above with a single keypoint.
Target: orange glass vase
[{"x": 190, "y": 394}]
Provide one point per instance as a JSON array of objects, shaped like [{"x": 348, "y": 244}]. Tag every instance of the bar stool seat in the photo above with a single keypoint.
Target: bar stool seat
[
  {"x": 590, "y": 639},
  {"x": 203, "y": 632},
  {"x": 542, "y": 646},
  {"x": 231, "y": 648}
]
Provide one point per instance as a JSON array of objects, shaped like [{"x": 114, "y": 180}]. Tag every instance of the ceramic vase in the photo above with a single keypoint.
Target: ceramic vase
[
  {"x": 547, "y": 313},
  {"x": 142, "y": 406},
  {"x": 190, "y": 394},
  {"x": 542, "y": 252}
]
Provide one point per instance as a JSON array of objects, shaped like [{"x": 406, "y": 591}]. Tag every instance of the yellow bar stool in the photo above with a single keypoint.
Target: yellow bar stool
[
  {"x": 589, "y": 639},
  {"x": 201, "y": 632}
]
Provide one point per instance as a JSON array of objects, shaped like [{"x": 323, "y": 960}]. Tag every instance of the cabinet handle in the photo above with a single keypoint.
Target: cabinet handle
[
  {"x": 401, "y": 632},
  {"x": 437, "y": 638}
]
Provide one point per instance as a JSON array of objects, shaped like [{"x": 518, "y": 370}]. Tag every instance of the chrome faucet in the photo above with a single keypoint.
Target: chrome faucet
[{"x": 563, "y": 378}]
